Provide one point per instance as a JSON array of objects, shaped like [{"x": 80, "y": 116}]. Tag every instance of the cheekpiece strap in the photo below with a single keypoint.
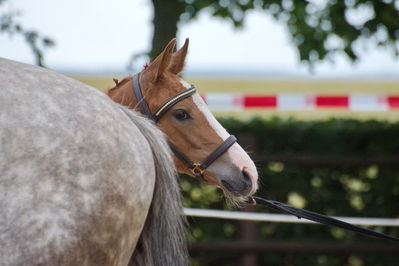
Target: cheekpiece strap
[{"x": 139, "y": 96}]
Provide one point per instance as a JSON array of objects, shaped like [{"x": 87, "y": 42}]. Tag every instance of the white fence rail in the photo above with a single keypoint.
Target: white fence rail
[{"x": 283, "y": 218}]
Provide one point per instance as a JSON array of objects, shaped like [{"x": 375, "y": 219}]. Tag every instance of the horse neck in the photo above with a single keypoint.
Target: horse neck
[{"x": 123, "y": 93}]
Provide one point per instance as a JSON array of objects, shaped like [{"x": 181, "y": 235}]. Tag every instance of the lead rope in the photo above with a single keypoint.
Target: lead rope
[{"x": 316, "y": 217}]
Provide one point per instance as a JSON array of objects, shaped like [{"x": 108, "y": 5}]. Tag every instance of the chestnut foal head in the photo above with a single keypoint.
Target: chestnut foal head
[{"x": 188, "y": 124}]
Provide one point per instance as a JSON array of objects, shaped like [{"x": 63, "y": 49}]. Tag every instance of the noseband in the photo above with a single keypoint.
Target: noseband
[{"x": 197, "y": 169}]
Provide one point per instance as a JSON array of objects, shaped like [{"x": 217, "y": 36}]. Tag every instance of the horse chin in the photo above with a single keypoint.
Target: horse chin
[
  {"x": 234, "y": 198},
  {"x": 236, "y": 194}
]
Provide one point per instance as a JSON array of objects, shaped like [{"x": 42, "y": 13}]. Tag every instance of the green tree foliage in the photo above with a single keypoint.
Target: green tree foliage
[
  {"x": 9, "y": 25},
  {"x": 318, "y": 29}
]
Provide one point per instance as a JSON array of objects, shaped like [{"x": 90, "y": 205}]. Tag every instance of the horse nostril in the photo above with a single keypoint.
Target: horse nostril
[{"x": 246, "y": 178}]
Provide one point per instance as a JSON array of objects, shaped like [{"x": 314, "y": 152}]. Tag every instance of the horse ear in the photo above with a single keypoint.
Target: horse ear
[
  {"x": 178, "y": 59},
  {"x": 156, "y": 69}
]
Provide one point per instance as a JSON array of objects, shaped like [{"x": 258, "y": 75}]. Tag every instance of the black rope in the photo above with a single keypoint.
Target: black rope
[{"x": 319, "y": 218}]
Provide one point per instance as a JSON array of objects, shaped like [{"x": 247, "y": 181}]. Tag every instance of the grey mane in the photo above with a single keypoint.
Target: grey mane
[{"x": 161, "y": 241}]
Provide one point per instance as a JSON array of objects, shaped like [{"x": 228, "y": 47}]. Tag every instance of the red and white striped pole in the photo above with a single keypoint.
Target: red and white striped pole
[{"x": 287, "y": 101}]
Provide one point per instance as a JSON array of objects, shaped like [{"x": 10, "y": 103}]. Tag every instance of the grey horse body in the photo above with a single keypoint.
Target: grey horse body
[{"x": 77, "y": 177}]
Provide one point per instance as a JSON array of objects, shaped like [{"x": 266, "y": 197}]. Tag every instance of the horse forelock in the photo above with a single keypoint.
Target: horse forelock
[{"x": 119, "y": 84}]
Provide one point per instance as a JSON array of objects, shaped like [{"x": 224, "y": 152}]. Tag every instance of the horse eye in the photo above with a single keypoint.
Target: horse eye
[{"x": 181, "y": 115}]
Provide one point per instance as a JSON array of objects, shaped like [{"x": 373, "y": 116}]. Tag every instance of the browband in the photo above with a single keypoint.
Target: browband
[
  {"x": 172, "y": 101},
  {"x": 165, "y": 106}
]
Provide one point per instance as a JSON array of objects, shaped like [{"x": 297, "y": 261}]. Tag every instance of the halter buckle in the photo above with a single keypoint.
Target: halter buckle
[{"x": 197, "y": 169}]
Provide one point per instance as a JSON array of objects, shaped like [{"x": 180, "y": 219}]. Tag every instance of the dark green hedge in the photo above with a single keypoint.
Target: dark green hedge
[
  {"x": 334, "y": 136},
  {"x": 343, "y": 190}
]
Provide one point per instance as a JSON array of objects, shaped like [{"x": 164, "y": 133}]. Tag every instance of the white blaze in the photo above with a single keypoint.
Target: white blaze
[{"x": 237, "y": 154}]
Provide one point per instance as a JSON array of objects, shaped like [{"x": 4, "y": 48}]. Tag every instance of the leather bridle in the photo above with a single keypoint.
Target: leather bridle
[{"x": 198, "y": 169}]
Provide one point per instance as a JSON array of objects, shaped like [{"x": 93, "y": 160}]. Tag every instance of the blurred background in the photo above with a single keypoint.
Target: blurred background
[{"x": 311, "y": 89}]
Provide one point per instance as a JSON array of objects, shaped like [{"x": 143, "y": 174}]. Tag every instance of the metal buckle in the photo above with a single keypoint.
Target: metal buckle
[
  {"x": 251, "y": 201},
  {"x": 197, "y": 169}
]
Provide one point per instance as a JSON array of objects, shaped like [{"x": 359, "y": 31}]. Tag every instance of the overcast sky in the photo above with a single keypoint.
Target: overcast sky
[{"x": 100, "y": 35}]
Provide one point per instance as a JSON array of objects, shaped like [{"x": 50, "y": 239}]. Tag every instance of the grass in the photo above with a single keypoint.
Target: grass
[
  {"x": 294, "y": 86},
  {"x": 272, "y": 87},
  {"x": 100, "y": 82}
]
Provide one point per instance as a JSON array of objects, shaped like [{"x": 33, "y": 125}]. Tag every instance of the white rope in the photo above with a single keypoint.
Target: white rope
[{"x": 283, "y": 218}]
